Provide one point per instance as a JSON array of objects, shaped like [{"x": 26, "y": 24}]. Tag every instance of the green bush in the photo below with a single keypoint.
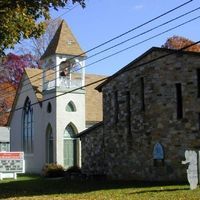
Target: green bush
[{"x": 53, "y": 170}]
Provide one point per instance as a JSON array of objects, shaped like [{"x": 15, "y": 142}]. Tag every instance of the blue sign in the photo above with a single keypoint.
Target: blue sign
[{"x": 158, "y": 153}]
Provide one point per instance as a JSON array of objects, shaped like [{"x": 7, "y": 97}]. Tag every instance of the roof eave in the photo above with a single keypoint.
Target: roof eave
[
  {"x": 99, "y": 87},
  {"x": 15, "y": 100},
  {"x": 89, "y": 129},
  {"x": 16, "y": 96}
]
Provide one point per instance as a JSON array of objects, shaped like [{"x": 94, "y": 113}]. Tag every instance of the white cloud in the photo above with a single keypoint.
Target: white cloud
[{"x": 138, "y": 7}]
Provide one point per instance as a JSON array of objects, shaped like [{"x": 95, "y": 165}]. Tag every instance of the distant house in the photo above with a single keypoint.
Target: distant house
[
  {"x": 4, "y": 139},
  {"x": 52, "y": 105},
  {"x": 151, "y": 115},
  {"x": 7, "y": 91}
]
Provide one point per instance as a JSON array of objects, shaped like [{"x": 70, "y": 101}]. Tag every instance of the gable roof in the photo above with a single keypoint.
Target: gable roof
[
  {"x": 63, "y": 42},
  {"x": 32, "y": 75},
  {"x": 130, "y": 65},
  {"x": 35, "y": 77},
  {"x": 89, "y": 130},
  {"x": 93, "y": 98}
]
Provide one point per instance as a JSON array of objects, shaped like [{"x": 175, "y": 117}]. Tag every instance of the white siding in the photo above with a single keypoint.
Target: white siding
[{"x": 35, "y": 161}]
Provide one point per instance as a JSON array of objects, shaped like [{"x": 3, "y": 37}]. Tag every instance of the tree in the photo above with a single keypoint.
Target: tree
[
  {"x": 39, "y": 45},
  {"x": 11, "y": 71},
  {"x": 14, "y": 66},
  {"x": 7, "y": 94},
  {"x": 178, "y": 42},
  {"x": 19, "y": 19}
]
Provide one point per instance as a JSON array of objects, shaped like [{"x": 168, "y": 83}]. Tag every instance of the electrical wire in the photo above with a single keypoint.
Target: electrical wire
[
  {"x": 119, "y": 36},
  {"x": 114, "y": 75},
  {"x": 144, "y": 40},
  {"x": 69, "y": 10},
  {"x": 118, "y": 52}
]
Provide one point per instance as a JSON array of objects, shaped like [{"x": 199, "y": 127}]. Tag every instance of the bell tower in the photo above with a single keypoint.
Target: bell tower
[{"x": 62, "y": 81}]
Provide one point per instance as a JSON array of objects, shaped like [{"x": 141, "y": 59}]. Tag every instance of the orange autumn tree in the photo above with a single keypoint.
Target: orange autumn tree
[
  {"x": 7, "y": 94},
  {"x": 178, "y": 42},
  {"x": 11, "y": 70}
]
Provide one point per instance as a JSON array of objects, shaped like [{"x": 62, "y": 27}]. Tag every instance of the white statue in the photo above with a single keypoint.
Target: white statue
[{"x": 192, "y": 173}]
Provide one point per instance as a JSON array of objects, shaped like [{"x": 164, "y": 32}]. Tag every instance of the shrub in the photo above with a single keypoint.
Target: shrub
[
  {"x": 73, "y": 169},
  {"x": 53, "y": 170}
]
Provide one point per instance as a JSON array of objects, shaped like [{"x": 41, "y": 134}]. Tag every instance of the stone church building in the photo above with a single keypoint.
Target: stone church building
[
  {"x": 52, "y": 106},
  {"x": 151, "y": 115}
]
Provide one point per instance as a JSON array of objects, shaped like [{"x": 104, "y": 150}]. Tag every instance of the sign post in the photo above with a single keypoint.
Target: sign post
[{"x": 11, "y": 163}]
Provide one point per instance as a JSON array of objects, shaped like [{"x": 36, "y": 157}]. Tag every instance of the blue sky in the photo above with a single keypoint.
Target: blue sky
[{"x": 102, "y": 20}]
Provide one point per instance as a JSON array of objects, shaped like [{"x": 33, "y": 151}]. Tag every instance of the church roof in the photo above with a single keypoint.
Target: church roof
[
  {"x": 63, "y": 42},
  {"x": 35, "y": 77},
  {"x": 93, "y": 99}
]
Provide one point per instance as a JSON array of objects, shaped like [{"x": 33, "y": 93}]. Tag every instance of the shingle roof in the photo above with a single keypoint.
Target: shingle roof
[
  {"x": 93, "y": 99},
  {"x": 63, "y": 42},
  {"x": 35, "y": 77}
]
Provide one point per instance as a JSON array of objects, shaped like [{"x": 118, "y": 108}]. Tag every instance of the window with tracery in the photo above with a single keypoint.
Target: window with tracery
[{"x": 28, "y": 127}]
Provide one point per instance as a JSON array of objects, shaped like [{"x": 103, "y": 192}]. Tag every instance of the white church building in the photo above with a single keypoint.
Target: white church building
[{"x": 51, "y": 106}]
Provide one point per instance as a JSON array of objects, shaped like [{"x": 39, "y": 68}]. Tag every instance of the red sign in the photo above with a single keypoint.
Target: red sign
[{"x": 12, "y": 155}]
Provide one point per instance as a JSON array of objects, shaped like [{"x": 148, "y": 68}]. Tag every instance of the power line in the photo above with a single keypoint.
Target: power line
[
  {"x": 114, "y": 75},
  {"x": 130, "y": 30},
  {"x": 167, "y": 22},
  {"x": 111, "y": 77},
  {"x": 143, "y": 41},
  {"x": 138, "y": 35},
  {"x": 163, "y": 56},
  {"x": 69, "y": 10},
  {"x": 122, "y": 43}
]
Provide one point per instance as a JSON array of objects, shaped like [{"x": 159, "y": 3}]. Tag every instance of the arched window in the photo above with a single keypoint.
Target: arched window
[
  {"x": 71, "y": 107},
  {"x": 49, "y": 144},
  {"x": 70, "y": 146},
  {"x": 27, "y": 127},
  {"x": 70, "y": 131}
]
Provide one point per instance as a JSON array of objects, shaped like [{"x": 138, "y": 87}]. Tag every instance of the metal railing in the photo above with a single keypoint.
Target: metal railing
[{"x": 63, "y": 82}]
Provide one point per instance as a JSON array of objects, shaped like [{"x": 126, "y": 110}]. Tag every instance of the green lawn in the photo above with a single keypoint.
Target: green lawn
[{"x": 34, "y": 187}]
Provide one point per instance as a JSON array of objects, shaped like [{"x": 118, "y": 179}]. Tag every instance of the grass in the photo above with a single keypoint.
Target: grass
[{"x": 35, "y": 187}]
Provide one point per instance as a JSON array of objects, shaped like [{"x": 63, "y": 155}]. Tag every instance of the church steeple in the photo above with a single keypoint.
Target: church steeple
[
  {"x": 64, "y": 60},
  {"x": 63, "y": 43},
  {"x": 63, "y": 66}
]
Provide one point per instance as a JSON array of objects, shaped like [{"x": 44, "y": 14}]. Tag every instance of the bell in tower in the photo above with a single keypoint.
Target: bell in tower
[{"x": 71, "y": 74}]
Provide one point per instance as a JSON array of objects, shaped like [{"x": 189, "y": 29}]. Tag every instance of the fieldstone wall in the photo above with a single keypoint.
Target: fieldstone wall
[
  {"x": 92, "y": 151},
  {"x": 128, "y": 148}
]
